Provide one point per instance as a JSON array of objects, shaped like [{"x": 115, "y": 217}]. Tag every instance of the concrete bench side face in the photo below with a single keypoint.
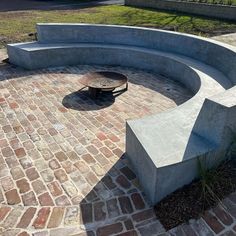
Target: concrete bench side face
[
  {"x": 213, "y": 53},
  {"x": 19, "y": 57},
  {"x": 97, "y": 55},
  {"x": 216, "y": 124}
]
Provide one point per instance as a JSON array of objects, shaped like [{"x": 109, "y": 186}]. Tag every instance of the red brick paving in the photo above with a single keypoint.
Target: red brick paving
[{"x": 63, "y": 171}]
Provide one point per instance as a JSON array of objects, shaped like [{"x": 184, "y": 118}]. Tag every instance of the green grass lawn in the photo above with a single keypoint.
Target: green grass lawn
[{"x": 15, "y": 26}]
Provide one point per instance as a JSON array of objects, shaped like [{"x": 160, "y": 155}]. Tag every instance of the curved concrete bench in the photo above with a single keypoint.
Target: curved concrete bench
[{"x": 163, "y": 148}]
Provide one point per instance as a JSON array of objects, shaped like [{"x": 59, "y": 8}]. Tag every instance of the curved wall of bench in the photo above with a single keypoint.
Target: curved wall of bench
[
  {"x": 163, "y": 148},
  {"x": 205, "y": 50},
  {"x": 104, "y": 55}
]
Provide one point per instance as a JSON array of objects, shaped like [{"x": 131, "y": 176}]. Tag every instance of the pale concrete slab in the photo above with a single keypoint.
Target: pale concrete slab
[{"x": 227, "y": 38}]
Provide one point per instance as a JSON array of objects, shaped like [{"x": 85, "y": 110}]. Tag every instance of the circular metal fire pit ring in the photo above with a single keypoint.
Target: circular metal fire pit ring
[{"x": 103, "y": 81}]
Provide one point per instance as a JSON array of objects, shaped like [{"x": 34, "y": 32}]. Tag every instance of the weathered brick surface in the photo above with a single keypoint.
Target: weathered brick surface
[
  {"x": 23, "y": 234},
  {"x": 12, "y": 197},
  {"x": 62, "y": 155},
  {"x": 213, "y": 222},
  {"x": 26, "y": 218},
  {"x": 128, "y": 224},
  {"x": 138, "y": 201},
  {"x": 129, "y": 233},
  {"x": 23, "y": 185},
  {"x": 38, "y": 186},
  {"x": 42, "y": 217},
  {"x": 3, "y": 212},
  {"x": 128, "y": 172},
  {"x": 99, "y": 211},
  {"x": 230, "y": 207},
  {"x": 11, "y": 219},
  {"x": 109, "y": 229},
  {"x": 144, "y": 215},
  {"x": 32, "y": 174},
  {"x": 17, "y": 173},
  {"x": 86, "y": 213},
  {"x": 7, "y": 152},
  {"x": 72, "y": 216},
  {"x": 151, "y": 229},
  {"x": 7, "y": 183},
  {"x": 20, "y": 152},
  {"x": 62, "y": 201},
  {"x": 123, "y": 182},
  {"x": 45, "y": 200},
  {"x": 222, "y": 215},
  {"x": 112, "y": 208},
  {"x": 187, "y": 229},
  {"x": 55, "y": 189},
  {"x": 61, "y": 175},
  {"x": 29, "y": 199},
  {"x": 56, "y": 217},
  {"x": 125, "y": 205}
]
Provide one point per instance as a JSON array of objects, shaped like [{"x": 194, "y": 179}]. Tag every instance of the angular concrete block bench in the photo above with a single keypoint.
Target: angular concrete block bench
[{"x": 163, "y": 148}]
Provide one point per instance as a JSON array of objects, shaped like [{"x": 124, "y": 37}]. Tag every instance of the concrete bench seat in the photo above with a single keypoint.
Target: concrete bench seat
[
  {"x": 163, "y": 148},
  {"x": 29, "y": 55}
]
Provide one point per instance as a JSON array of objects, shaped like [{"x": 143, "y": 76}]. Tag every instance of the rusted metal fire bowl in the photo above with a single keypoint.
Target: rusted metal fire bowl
[{"x": 103, "y": 81}]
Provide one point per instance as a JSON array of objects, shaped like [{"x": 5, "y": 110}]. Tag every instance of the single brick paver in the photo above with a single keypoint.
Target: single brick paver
[
  {"x": 213, "y": 222},
  {"x": 109, "y": 229},
  {"x": 56, "y": 217},
  {"x": 12, "y": 197},
  {"x": 26, "y": 218},
  {"x": 3, "y": 212},
  {"x": 99, "y": 211},
  {"x": 222, "y": 215},
  {"x": 42, "y": 218},
  {"x": 138, "y": 201}
]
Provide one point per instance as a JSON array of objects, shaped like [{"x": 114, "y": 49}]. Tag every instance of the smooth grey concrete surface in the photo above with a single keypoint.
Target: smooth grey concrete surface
[
  {"x": 227, "y": 38},
  {"x": 227, "y": 12},
  {"x": 206, "y": 50},
  {"x": 163, "y": 148},
  {"x": 73, "y": 54}
]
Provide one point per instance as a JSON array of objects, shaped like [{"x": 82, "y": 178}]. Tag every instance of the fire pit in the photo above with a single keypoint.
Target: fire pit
[{"x": 103, "y": 81}]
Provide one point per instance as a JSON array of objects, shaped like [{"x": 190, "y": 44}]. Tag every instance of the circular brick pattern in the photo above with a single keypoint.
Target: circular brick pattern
[
  {"x": 59, "y": 143},
  {"x": 62, "y": 161}
]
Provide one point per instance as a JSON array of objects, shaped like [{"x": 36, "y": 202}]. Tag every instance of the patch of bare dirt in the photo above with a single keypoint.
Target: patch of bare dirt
[{"x": 191, "y": 201}]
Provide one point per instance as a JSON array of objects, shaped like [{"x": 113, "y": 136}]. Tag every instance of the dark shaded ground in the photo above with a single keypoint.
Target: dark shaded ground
[
  {"x": 191, "y": 201},
  {"x": 20, "y": 5}
]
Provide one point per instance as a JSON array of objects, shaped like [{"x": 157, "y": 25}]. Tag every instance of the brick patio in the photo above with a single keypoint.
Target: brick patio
[{"x": 62, "y": 165}]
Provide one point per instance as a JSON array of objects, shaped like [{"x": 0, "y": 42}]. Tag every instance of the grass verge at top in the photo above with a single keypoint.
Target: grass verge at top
[{"x": 17, "y": 25}]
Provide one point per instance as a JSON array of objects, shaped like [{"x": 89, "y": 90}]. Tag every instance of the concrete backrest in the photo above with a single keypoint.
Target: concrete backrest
[
  {"x": 216, "y": 120},
  {"x": 217, "y": 55}
]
